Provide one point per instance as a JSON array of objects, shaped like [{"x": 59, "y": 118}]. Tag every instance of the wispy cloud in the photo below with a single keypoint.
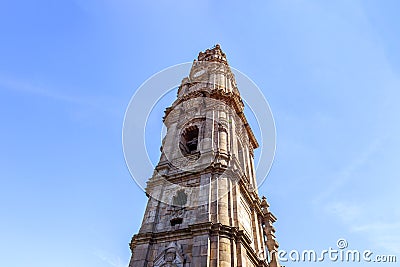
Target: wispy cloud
[
  {"x": 340, "y": 178},
  {"x": 357, "y": 218},
  {"x": 97, "y": 102},
  {"x": 368, "y": 217},
  {"x": 111, "y": 260},
  {"x": 347, "y": 212},
  {"x": 27, "y": 87}
]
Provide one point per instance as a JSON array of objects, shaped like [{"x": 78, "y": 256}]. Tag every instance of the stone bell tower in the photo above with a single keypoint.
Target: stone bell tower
[{"x": 203, "y": 206}]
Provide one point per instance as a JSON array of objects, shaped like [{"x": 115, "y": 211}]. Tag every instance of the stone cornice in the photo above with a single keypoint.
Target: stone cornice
[{"x": 207, "y": 228}]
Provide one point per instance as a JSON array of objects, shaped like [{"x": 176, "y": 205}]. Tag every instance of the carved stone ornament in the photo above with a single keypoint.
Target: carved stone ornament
[{"x": 170, "y": 257}]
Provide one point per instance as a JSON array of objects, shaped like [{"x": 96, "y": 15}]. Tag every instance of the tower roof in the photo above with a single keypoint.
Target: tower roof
[{"x": 214, "y": 54}]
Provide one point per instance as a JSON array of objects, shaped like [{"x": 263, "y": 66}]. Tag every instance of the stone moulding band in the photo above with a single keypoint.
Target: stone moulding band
[{"x": 208, "y": 228}]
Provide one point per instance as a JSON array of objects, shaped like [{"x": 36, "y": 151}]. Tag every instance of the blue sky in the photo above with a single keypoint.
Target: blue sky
[{"x": 329, "y": 70}]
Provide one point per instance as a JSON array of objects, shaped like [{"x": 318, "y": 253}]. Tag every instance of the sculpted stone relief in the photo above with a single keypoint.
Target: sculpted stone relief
[{"x": 170, "y": 257}]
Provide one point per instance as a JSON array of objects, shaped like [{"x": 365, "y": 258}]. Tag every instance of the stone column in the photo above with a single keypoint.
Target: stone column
[
  {"x": 224, "y": 251},
  {"x": 223, "y": 211},
  {"x": 223, "y": 145}
]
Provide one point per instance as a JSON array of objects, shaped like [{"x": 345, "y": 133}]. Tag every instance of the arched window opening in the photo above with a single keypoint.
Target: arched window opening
[{"x": 189, "y": 140}]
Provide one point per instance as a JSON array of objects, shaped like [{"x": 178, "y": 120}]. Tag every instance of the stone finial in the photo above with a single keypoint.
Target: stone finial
[
  {"x": 264, "y": 204},
  {"x": 269, "y": 232}
]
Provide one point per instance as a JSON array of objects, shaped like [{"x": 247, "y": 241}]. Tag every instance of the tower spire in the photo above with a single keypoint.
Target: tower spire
[{"x": 203, "y": 207}]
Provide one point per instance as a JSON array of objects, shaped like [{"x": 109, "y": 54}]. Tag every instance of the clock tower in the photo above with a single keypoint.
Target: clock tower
[{"x": 203, "y": 206}]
